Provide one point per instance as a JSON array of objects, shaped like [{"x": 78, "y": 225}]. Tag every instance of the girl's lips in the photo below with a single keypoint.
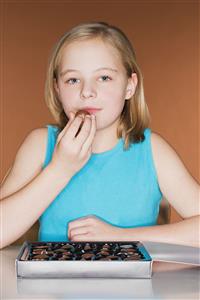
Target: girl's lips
[{"x": 92, "y": 110}]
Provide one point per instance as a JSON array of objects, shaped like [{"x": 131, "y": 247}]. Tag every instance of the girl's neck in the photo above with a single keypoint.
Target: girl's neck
[{"x": 104, "y": 140}]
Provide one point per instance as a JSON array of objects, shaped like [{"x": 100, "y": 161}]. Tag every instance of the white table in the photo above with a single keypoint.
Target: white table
[{"x": 169, "y": 281}]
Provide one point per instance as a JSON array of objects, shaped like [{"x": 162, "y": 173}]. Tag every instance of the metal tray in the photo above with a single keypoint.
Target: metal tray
[{"x": 27, "y": 267}]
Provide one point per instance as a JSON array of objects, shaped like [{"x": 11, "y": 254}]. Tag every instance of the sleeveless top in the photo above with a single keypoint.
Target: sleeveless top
[{"x": 119, "y": 187}]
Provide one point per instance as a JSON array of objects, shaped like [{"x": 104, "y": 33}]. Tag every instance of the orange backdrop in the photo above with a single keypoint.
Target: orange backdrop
[{"x": 164, "y": 35}]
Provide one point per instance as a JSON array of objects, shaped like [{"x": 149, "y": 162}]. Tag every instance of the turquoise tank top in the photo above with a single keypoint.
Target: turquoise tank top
[{"x": 118, "y": 186}]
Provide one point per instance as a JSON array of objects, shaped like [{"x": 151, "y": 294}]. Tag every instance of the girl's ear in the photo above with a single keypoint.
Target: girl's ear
[{"x": 131, "y": 86}]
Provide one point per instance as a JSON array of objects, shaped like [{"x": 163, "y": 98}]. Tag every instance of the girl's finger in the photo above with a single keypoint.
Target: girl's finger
[
  {"x": 73, "y": 128},
  {"x": 79, "y": 230},
  {"x": 71, "y": 118},
  {"x": 82, "y": 237},
  {"x": 87, "y": 145},
  {"x": 83, "y": 221},
  {"x": 85, "y": 130}
]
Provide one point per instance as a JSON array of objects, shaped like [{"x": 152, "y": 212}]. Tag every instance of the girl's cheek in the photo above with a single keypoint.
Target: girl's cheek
[
  {"x": 66, "y": 92},
  {"x": 112, "y": 95},
  {"x": 66, "y": 98},
  {"x": 106, "y": 93}
]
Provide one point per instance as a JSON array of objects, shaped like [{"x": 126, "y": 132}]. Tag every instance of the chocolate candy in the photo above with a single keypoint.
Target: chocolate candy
[
  {"x": 87, "y": 255},
  {"x": 88, "y": 251},
  {"x": 104, "y": 253},
  {"x": 40, "y": 257},
  {"x": 82, "y": 113}
]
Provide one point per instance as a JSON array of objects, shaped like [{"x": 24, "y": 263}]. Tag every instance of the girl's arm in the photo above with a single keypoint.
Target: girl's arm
[
  {"x": 185, "y": 232},
  {"x": 176, "y": 183},
  {"x": 27, "y": 190},
  {"x": 182, "y": 192}
]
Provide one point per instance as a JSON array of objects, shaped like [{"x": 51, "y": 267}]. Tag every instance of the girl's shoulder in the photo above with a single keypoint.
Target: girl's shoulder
[
  {"x": 36, "y": 143},
  {"x": 160, "y": 146},
  {"x": 39, "y": 138},
  {"x": 27, "y": 163},
  {"x": 158, "y": 142},
  {"x": 45, "y": 136},
  {"x": 175, "y": 181}
]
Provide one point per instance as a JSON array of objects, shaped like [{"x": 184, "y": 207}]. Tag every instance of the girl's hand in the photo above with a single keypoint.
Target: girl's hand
[
  {"x": 72, "y": 152},
  {"x": 91, "y": 228}
]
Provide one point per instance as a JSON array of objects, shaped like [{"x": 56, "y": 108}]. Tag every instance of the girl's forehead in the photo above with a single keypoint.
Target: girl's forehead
[{"x": 94, "y": 51}]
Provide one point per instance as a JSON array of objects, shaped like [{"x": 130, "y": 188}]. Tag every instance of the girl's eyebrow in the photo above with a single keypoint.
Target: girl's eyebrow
[{"x": 73, "y": 70}]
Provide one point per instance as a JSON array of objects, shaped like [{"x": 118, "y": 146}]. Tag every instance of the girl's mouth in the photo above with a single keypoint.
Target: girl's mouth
[{"x": 91, "y": 110}]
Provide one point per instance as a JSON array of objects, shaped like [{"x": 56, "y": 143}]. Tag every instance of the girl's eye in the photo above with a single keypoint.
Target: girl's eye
[
  {"x": 72, "y": 80},
  {"x": 105, "y": 78}
]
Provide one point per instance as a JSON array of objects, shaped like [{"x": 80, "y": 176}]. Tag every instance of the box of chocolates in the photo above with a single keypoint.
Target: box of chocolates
[{"x": 84, "y": 259}]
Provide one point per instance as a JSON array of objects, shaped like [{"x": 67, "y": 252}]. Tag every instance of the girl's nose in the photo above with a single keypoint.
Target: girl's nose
[{"x": 88, "y": 92}]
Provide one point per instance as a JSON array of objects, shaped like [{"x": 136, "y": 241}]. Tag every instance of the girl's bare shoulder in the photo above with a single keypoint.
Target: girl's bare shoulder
[
  {"x": 176, "y": 182},
  {"x": 27, "y": 163},
  {"x": 36, "y": 141},
  {"x": 166, "y": 158}
]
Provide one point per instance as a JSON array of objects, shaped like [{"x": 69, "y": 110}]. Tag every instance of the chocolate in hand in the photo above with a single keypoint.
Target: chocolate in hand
[{"x": 82, "y": 113}]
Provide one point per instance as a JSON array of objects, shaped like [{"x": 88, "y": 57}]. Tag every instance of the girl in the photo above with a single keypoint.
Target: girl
[{"x": 107, "y": 181}]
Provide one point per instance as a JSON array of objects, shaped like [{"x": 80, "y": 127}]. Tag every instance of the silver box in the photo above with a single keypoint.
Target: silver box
[{"x": 62, "y": 269}]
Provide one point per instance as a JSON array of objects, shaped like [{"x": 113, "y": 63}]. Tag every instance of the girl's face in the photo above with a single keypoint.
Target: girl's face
[{"x": 92, "y": 75}]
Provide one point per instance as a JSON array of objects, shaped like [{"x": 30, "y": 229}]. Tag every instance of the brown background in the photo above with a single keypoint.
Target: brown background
[{"x": 164, "y": 35}]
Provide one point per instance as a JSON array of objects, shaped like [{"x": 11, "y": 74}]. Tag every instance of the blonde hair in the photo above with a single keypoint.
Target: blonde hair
[{"x": 135, "y": 115}]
